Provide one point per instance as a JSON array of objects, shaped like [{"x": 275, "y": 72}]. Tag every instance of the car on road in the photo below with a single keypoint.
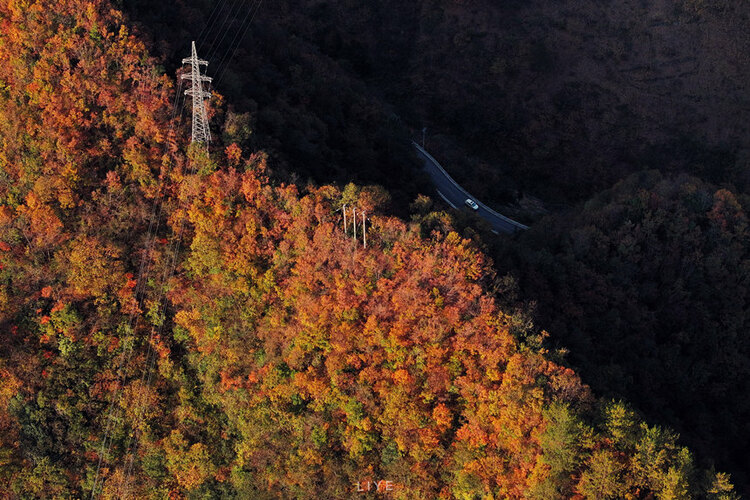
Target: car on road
[{"x": 471, "y": 204}]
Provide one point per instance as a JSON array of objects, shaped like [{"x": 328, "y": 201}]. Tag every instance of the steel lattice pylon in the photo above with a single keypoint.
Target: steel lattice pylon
[{"x": 201, "y": 132}]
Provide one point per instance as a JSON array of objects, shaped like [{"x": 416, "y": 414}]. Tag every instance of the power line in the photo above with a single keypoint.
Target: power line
[
  {"x": 242, "y": 30},
  {"x": 222, "y": 33},
  {"x": 146, "y": 378},
  {"x": 132, "y": 327},
  {"x": 141, "y": 279},
  {"x": 201, "y": 134},
  {"x": 215, "y": 14}
]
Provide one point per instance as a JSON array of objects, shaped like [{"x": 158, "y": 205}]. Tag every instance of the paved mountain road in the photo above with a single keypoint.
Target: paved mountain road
[{"x": 455, "y": 195}]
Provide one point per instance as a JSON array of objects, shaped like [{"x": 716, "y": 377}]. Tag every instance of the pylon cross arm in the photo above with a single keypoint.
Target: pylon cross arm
[
  {"x": 203, "y": 93},
  {"x": 189, "y": 60},
  {"x": 203, "y": 78}
]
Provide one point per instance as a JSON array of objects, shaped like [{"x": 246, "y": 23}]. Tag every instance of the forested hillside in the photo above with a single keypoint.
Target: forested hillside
[
  {"x": 177, "y": 325},
  {"x": 647, "y": 287},
  {"x": 558, "y": 100}
]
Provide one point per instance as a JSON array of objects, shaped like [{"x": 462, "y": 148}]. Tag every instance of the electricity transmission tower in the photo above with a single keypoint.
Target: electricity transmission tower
[{"x": 201, "y": 132}]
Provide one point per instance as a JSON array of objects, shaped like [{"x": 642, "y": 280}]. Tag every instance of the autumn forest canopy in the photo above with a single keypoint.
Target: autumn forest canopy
[{"x": 189, "y": 321}]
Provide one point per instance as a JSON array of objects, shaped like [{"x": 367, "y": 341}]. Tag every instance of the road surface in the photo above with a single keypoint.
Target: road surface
[{"x": 455, "y": 195}]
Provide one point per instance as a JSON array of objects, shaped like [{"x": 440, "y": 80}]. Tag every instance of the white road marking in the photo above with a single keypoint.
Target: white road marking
[{"x": 446, "y": 199}]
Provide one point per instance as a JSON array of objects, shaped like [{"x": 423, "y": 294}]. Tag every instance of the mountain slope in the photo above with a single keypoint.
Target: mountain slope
[{"x": 176, "y": 325}]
